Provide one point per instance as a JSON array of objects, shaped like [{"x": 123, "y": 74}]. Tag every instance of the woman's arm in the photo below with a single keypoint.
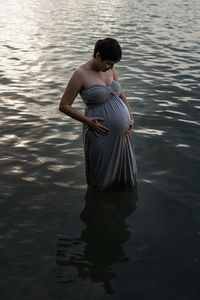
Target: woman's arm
[{"x": 73, "y": 88}]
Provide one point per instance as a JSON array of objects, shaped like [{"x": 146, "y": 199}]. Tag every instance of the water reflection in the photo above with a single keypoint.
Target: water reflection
[{"x": 100, "y": 244}]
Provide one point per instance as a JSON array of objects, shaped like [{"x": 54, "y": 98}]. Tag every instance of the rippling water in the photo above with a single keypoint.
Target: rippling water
[{"x": 51, "y": 246}]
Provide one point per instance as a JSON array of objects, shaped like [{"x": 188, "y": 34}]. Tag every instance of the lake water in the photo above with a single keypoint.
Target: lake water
[{"x": 52, "y": 246}]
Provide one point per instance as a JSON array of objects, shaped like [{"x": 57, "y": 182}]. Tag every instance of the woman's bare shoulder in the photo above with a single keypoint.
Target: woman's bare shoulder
[
  {"x": 77, "y": 77},
  {"x": 81, "y": 72},
  {"x": 78, "y": 73}
]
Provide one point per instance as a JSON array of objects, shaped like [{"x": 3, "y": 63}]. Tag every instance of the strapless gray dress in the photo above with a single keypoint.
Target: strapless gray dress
[{"x": 109, "y": 159}]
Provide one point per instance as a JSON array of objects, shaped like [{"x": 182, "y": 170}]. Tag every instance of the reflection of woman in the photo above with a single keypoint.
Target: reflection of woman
[
  {"x": 104, "y": 235},
  {"x": 107, "y": 121}
]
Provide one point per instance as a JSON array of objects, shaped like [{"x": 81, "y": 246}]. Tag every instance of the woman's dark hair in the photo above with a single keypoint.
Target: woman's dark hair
[{"x": 109, "y": 49}]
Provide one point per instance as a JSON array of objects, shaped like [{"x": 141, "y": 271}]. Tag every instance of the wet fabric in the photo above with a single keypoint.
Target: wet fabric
[{"x": 109, "y": 159}]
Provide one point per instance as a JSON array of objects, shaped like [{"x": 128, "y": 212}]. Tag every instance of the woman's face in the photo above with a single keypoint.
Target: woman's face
[{"x": 105, "y": 65}]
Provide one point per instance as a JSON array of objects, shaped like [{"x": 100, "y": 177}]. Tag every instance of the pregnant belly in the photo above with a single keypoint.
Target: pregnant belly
[
  {"x": 118, "y": 115},
  {"x": 115, "y": 113}
]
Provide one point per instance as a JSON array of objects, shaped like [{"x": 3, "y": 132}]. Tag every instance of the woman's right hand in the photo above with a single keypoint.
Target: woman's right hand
[{"x": 96, "y": 127}]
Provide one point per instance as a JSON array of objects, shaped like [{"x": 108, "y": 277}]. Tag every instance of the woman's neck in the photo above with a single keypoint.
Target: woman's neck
[{"x": 93, "y": 64}]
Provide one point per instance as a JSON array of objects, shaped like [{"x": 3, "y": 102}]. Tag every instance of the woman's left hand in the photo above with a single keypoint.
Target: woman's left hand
[{"x": 130, "y": 128}]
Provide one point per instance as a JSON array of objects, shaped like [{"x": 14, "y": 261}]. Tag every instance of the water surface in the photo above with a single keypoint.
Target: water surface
[{"x": 51, "y": 246}]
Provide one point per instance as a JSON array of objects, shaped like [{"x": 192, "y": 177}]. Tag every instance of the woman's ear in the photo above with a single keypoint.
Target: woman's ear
[{"x": 98, "y": 56}]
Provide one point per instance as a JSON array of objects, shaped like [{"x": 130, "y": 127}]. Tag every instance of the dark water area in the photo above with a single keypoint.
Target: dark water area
[{"x": 53, "y": 243}]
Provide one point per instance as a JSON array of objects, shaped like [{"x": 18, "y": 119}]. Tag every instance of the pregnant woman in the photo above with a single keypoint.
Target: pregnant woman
[{"x": 108, "y": 120}]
